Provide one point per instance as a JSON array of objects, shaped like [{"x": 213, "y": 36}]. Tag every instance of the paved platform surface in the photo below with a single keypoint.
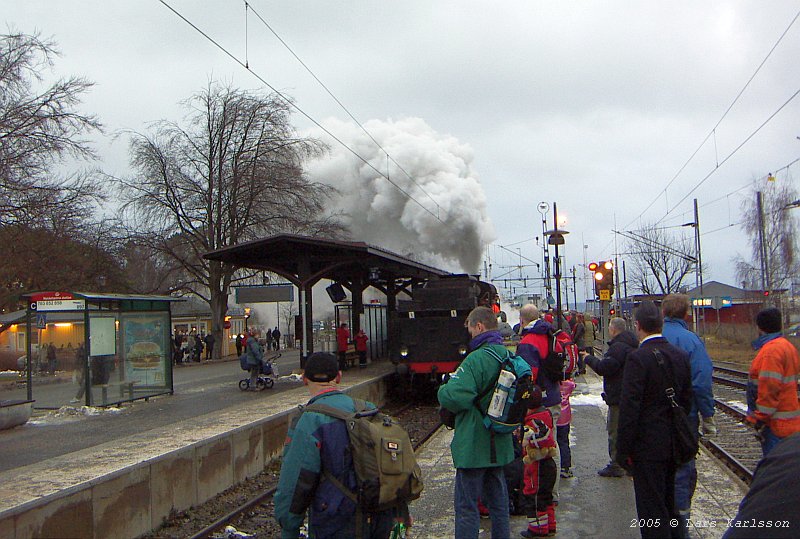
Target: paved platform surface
[
  {"x": 589, "y": 505},
  {"x": 200, "y": 388},
  {"x": 66, "y": 468}
]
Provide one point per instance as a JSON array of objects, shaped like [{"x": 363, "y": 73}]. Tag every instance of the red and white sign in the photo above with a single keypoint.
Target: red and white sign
[
  {"x": 51, "y": 296},
  {"x": 56, "y": 301}
]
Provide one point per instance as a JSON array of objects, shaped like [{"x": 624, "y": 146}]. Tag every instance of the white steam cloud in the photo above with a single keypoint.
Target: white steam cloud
[{"x": 454, "y": 230}]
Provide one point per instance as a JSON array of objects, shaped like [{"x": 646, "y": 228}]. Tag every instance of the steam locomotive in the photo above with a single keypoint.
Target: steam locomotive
[{"x": 428, "y": 336}]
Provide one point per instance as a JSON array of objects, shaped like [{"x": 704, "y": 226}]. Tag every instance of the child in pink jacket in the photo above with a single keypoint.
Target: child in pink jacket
[{"x": 562, "y": 428}]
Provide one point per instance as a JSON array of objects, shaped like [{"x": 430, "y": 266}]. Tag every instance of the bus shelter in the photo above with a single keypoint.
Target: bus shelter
[{"x": 96, "y": 349}]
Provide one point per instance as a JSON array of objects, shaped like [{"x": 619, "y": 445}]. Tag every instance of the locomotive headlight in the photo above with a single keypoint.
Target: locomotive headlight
[
  {"x": 462, "y": 350},
  {"x": 403, "y": 351}
]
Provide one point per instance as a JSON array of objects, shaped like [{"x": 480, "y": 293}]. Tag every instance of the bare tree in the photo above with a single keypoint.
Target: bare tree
[
  {"x": 231, "y": 172},
  {"x": 779, "y": 237},
  {"x": 40, "y": 128},
  {"x": 659, "y": 260},
  {"x": 42, "y": 258}
]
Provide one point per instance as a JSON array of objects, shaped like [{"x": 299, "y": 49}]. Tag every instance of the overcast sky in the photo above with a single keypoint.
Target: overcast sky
[{"x": 593, "y": 105}]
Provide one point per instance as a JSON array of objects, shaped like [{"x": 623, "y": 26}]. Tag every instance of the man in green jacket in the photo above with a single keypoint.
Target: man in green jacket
[{"x": 478, "y": 456}]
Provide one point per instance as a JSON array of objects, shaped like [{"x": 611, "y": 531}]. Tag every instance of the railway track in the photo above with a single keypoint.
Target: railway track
[
  {"x": 735, "y": 443},
  {"x": 420, "y": 420}
]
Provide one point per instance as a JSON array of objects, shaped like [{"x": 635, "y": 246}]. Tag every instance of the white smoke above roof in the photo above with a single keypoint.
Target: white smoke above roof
[{"x": 379, "y": 214}]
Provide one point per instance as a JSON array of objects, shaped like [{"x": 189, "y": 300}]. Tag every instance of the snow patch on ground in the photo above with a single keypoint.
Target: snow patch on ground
[
  {"x": 67, "y": 414},
  {"x": 587, "y": 400}
]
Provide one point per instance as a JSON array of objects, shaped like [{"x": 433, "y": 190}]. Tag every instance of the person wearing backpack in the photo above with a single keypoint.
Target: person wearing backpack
[
  {"x": 318, "y": 454},
  {"x": 478, "y": 475},
  {"x": 534, "y": 348}
]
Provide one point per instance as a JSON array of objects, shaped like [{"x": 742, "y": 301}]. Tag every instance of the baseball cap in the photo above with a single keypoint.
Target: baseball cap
[{"x": 321, "y": 367}]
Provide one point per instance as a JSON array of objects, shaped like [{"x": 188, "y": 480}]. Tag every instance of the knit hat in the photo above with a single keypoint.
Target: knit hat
[
  {"x": 321, "y": 367},
  {"x": 769, "y": 320}
]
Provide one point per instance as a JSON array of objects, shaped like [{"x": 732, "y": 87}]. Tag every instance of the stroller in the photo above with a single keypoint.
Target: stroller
[{"x": 267, "y": 376}]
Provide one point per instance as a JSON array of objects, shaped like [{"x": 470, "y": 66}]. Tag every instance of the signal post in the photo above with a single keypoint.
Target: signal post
[{"x": 603, "y": 273}]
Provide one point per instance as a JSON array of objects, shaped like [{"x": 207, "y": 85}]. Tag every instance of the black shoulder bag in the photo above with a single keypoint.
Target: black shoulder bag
[{"x": 685, "y": 442}]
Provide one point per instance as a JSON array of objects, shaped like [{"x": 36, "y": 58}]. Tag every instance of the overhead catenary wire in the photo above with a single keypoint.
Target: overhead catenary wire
[
  {"x": 301, "y": 111},
  {"x": 712, "y": 132},
  {"x": 736, "y": 191},
  {"x": 344, "y": 108},
  {"x": 745, "y": 141}
]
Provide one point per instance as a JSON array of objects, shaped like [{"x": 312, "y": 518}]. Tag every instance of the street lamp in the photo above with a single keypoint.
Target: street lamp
[
  {"x": 543, "y": 208},
  {"x": 556, "y": 237}
]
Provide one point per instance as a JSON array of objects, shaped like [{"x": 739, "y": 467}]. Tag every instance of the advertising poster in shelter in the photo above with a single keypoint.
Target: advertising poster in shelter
[{"x": 145, "y": 345}]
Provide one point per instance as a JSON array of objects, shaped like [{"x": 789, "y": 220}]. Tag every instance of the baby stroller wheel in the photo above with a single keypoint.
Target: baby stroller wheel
[
  {"x": 261, "y": 384},
  {"x": 244, "y": 384},
  {"x": 270, "y": 382}
]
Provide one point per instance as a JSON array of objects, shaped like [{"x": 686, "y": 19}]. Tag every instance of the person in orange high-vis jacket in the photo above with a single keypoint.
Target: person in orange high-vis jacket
[{"x": 772, "y": 403}]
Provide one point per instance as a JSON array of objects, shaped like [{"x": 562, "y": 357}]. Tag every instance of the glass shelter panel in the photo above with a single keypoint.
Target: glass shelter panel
[
  {"x": 146, "y": 353},
  {"x": 55, "y": 365},
  {"x": 91, "y": 349}
]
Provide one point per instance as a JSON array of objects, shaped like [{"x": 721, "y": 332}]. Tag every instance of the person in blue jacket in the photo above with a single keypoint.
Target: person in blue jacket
[
  {"x": 675, "y": 308},
  {"x": 317, "y": 443}
]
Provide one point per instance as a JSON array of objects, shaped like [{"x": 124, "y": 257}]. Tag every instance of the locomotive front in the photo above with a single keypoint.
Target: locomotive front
[{"x": 430, "y": 339}]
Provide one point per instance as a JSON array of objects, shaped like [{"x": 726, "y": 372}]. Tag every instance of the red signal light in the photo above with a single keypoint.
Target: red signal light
[
  {"x": 593, "y": 266},
  {"x": 766, "y": 292}
]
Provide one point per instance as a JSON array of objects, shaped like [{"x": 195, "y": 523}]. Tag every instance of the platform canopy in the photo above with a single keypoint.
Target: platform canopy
[{"x": 304, "y": 259}]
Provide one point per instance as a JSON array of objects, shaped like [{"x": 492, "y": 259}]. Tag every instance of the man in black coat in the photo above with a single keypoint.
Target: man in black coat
[
  {"x": 610, "y": 367},
  {"x": 209, "y": 340},
  {"x": 276, "y": 338},
  {"x": 645, "y": 433}
]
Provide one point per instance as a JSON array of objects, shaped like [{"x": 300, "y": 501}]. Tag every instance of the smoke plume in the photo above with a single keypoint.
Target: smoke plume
[{"x": 454, "y": 230}]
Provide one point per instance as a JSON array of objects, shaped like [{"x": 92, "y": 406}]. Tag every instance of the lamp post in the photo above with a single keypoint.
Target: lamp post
[
  {"x": 556, "y": 237},
  {"x": 543, "y": 208}
]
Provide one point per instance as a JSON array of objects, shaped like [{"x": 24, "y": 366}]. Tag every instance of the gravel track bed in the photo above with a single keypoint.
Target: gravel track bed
[{"x": 418, "y": 420}]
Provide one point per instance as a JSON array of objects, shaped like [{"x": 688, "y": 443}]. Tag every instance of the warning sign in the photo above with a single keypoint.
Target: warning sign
[{"x": 605, "y": 295}]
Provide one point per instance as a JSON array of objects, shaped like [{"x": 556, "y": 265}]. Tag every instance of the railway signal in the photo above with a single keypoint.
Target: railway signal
[{"x": 603, "y": 273}]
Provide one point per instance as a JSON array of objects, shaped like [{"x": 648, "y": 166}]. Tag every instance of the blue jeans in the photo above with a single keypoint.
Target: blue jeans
[
  {"x": 685, "y": 484},
  {"x": 488, "y": 484},
  {"x": 770, "y": 441}
]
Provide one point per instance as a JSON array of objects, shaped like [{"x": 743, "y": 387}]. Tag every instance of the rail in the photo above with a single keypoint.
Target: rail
[{"x": 223, "y": 521}]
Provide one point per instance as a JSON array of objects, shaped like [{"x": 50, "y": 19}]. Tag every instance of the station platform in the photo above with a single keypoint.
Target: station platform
[
  {"x": 589, "y": 505},
  {"x": 126, "y": 486}
]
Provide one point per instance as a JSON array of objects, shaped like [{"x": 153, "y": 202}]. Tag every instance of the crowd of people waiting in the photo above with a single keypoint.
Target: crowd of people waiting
[
  {"x": 519, "y": 472},
  {"x": 497, "y": 475}
]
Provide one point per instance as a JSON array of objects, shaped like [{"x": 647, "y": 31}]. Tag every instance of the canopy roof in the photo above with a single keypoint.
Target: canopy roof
[{"x": 304, "y": 260}]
